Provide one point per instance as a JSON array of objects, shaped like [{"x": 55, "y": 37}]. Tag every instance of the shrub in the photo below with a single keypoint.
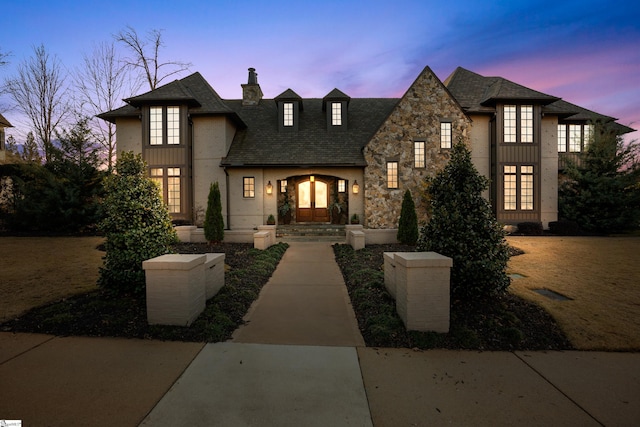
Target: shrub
[
  {"x": 213, "y": 222},
  {"x": 564, "y": 228},
  {"x": 530, "y": 228},
  {"x": 463, "y": 227},
  {"x": 137, "y": 226},
  {"x": 408, "y": 223}
]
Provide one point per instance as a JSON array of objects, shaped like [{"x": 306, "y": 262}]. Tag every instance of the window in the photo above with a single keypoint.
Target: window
[
  {"x": 518, "y": 196},
  {"x": 173, "y": 190},
  {"x": 562, "y": 138},
  {"x": 445, "y": 135},
  {"x": 419, "y": 154},
  {"x": 173, "y": 125},
  {"x": 518, "y": 123},
  {"x": 342, "y": 186},
  {"x": 164, "y": 125},
  {"x": 155, "y": 126},
  {"x": 392, "y": 175},
  {"x": 248, "y": 187},
  {"x": 168, "y": 181},
  {"x": 510, "y": 133},
  {"x": 283, "y": 185},
  {"x": 510, "y": 196},
  {"x": 156, "y": 176},
  {"x": 574, "y": 137},
  {"x": 288, "y": 113},
  {"x": 336, "y": 114}
]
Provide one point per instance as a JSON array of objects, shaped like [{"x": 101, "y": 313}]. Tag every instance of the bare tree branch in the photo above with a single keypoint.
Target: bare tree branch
[
  {"x": 102, "y": 83},
  {"x": 146, "y": 56},
  {"x": 39, "y": 92}
]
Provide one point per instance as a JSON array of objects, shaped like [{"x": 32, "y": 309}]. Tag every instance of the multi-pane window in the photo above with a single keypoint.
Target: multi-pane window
[
  {"x": 510, "y": 121},
  {"x": 173, "y": 190},
  {"x": 518, "y": 187},
  {"x": 562, "y": 138},
  {"x": 392, "y": 174},
  {"x": 445, "y": 135},
  {"x": 287, "y": 109},
  {"x": 156, "y": 175},
  {"x": 336, "y": 114},
  {"x": 168, "y": 181},
  {"x": 164, "y": 125},
  {"x": 526, "y": 188},
  {"x": 342, "y": 186},
  {"x": 510, "y": 188},
  {"x": 173, "y": 125},
  {"x": 526, "y": 123},
  {"x": 155, "y": 126},
  {"x": 419, "y": 154},
  {"x": 518, "y": 123},
  {"x": 574, "y": 137},
  {"x": 283, "y": 185},
  {"x": 248, "y": 187}
]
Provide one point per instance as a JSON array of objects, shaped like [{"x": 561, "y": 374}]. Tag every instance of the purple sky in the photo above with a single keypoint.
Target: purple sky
[{"x": 586, "y": 52}]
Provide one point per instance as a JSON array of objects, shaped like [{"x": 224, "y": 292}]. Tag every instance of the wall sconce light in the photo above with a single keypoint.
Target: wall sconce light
[
  {"x": 356, "y": 187},
  {"x": 269, "y": 188},
  {"x": 312, "y": 178}
]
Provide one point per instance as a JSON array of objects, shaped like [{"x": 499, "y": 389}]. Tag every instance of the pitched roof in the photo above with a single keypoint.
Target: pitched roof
[
  {"x": 192, "y": 90},
  {"x": 4, "y": 122},
  {"x": 479, "y": 94},
  {"x": 262, "y": 144}
]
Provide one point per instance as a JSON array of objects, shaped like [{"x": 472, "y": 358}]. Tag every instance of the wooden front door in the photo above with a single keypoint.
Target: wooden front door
[{"x": 313, "y": 201}]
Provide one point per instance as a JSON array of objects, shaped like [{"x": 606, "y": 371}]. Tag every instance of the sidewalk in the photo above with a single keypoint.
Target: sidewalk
[{"x": 302, "y": 363}]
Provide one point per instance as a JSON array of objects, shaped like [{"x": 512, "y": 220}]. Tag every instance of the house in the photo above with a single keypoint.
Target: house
[
  {"x": 4, "y": 123},
  {"x": 301, "y": 158}
]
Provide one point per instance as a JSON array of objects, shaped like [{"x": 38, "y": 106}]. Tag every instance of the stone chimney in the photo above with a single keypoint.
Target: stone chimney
[{"x": 251, "y": 92}]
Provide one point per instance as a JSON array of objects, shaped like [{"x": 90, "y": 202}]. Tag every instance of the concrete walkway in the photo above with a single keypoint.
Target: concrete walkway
[{"x": 271, "y": 374}]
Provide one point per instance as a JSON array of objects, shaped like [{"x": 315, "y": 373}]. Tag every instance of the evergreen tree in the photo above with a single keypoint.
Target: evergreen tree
[
  {"x": 213, "y": 222},
  {"x": 462, "y": 226},
  {"x": 408, "y": 223},
  {"x": 30, "y": 152},
  {"x": 137, "y": 226},
  {"x": 602, "y": 190}
]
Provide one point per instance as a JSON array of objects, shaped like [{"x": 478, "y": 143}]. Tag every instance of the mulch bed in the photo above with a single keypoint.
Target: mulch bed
[{"x": 504, "y": 323}]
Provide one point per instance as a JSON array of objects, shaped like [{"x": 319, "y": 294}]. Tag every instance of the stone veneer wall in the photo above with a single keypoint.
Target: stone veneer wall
[{"x": 416, "y": 117}]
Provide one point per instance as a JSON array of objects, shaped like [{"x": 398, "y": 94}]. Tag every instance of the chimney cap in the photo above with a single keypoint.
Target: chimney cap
[{"x": 253, "y": 76}]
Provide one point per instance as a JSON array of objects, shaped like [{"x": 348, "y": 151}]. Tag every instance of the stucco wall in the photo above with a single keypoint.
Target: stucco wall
[
  {"x": 479, "y": 134},
  {"x": 129, "y": 135},
  {"x": 549, "y": 171},
  {"x": 416, "y": 117},
  {"x": 211, "y": 139}
]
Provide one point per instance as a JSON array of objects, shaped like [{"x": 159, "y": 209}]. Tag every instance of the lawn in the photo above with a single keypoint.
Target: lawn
[
  {"x": 601, "y": 275},
  {"x": 37, "y": 270}
]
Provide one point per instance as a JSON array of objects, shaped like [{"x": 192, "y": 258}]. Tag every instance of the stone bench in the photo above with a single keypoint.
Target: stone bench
[
  {"x": 420, "y": 283},
  {"x": 178, "y": 286}
]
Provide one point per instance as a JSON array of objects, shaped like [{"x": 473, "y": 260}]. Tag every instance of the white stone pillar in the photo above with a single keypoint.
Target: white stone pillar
[{"x": 422, "y": 290}]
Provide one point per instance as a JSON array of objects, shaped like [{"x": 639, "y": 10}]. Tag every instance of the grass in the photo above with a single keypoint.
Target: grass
[
  {"x": 39, "y": 270},
  {"x": 601, "y": 275},
  {"x": 99, "y": 313}
]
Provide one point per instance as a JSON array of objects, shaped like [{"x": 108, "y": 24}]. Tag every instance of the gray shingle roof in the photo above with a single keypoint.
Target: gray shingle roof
[
  {"x": 262, "y": 144},
  {"x": 4, "y": 122}
]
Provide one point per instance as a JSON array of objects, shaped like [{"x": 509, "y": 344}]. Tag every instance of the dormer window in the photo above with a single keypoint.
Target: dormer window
[
  {"x": 287, "y": 111},
  {"x": 336, "y": 114}
]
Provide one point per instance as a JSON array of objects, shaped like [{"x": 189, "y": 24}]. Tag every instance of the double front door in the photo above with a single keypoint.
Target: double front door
[{"x": 313, "y": 201}]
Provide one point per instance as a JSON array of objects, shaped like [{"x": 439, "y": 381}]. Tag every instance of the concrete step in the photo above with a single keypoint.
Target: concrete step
[{"x": 324, "y": 231}]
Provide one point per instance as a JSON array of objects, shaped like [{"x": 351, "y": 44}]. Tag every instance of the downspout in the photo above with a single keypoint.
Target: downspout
[{"x": 228, "y": 199}]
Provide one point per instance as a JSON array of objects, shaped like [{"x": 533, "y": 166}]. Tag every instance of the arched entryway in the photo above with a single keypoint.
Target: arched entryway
[{"x": 312, "y": 201}]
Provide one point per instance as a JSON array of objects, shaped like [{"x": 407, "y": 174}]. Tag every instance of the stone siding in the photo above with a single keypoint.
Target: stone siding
[{"x": 416, "y": 117}]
